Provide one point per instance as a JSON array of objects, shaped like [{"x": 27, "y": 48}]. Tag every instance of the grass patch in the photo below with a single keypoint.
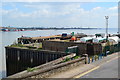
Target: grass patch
[
  {"x": 76, "y": 57},
  {"x": 16, "y": 45},
  {"x": 40, "y": 47},
  {"x": 66, "y": 59},
  {"x": 22, "y": 46},
  {"x": 30, "y": 69},
  {"x": 31, "y": 47},
  {"x": 66, "y": 40}
]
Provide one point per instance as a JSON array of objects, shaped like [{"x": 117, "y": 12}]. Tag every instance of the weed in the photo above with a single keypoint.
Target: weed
[{"x": 30, "y": 69}]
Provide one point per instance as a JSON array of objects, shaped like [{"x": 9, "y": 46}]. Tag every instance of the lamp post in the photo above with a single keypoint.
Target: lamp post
[{"x": 106, "y": 17}]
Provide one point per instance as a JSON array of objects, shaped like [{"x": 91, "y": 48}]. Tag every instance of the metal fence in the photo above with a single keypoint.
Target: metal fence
[{"x": 107, "y": 51}]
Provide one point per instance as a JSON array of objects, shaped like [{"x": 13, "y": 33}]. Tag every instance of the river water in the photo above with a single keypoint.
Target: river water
[{"x": 7, "y": 38}]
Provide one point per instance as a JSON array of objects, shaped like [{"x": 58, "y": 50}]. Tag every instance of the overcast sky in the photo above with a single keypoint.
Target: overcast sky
[
  {"x": 59, "y": 14},
  {"x": 59, "y": 0}
]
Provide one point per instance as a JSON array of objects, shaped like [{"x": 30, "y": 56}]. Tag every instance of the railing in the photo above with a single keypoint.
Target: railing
[{"x": 107, "y": 51}]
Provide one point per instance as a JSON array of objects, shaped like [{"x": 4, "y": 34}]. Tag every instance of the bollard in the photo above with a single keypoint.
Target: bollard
[
  {"x": 86, "y": 58},
  {"x": 107, "y": 53},
  {"x": 102, "y": 55},
  {"x": 90, "y": 60},
  {"x": 98, "y": 57},
  {"x": 93, "y": 59}
]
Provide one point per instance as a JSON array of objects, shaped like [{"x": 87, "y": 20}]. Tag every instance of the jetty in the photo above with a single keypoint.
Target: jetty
[
  {"x": 53, "y": 53},
  {"x": 28, "y": 40}
]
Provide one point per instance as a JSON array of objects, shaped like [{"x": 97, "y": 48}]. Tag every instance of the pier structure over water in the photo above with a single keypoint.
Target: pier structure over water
[
  {"x": 28, "y": 40},
  {"x": 23, "y": 55}
]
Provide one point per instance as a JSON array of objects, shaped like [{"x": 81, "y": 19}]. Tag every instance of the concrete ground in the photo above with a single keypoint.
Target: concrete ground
[{"x": 104, "y": 68}]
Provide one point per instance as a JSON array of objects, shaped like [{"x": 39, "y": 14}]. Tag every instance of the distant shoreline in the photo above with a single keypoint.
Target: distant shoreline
[{"x": 6, "y": 29}]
